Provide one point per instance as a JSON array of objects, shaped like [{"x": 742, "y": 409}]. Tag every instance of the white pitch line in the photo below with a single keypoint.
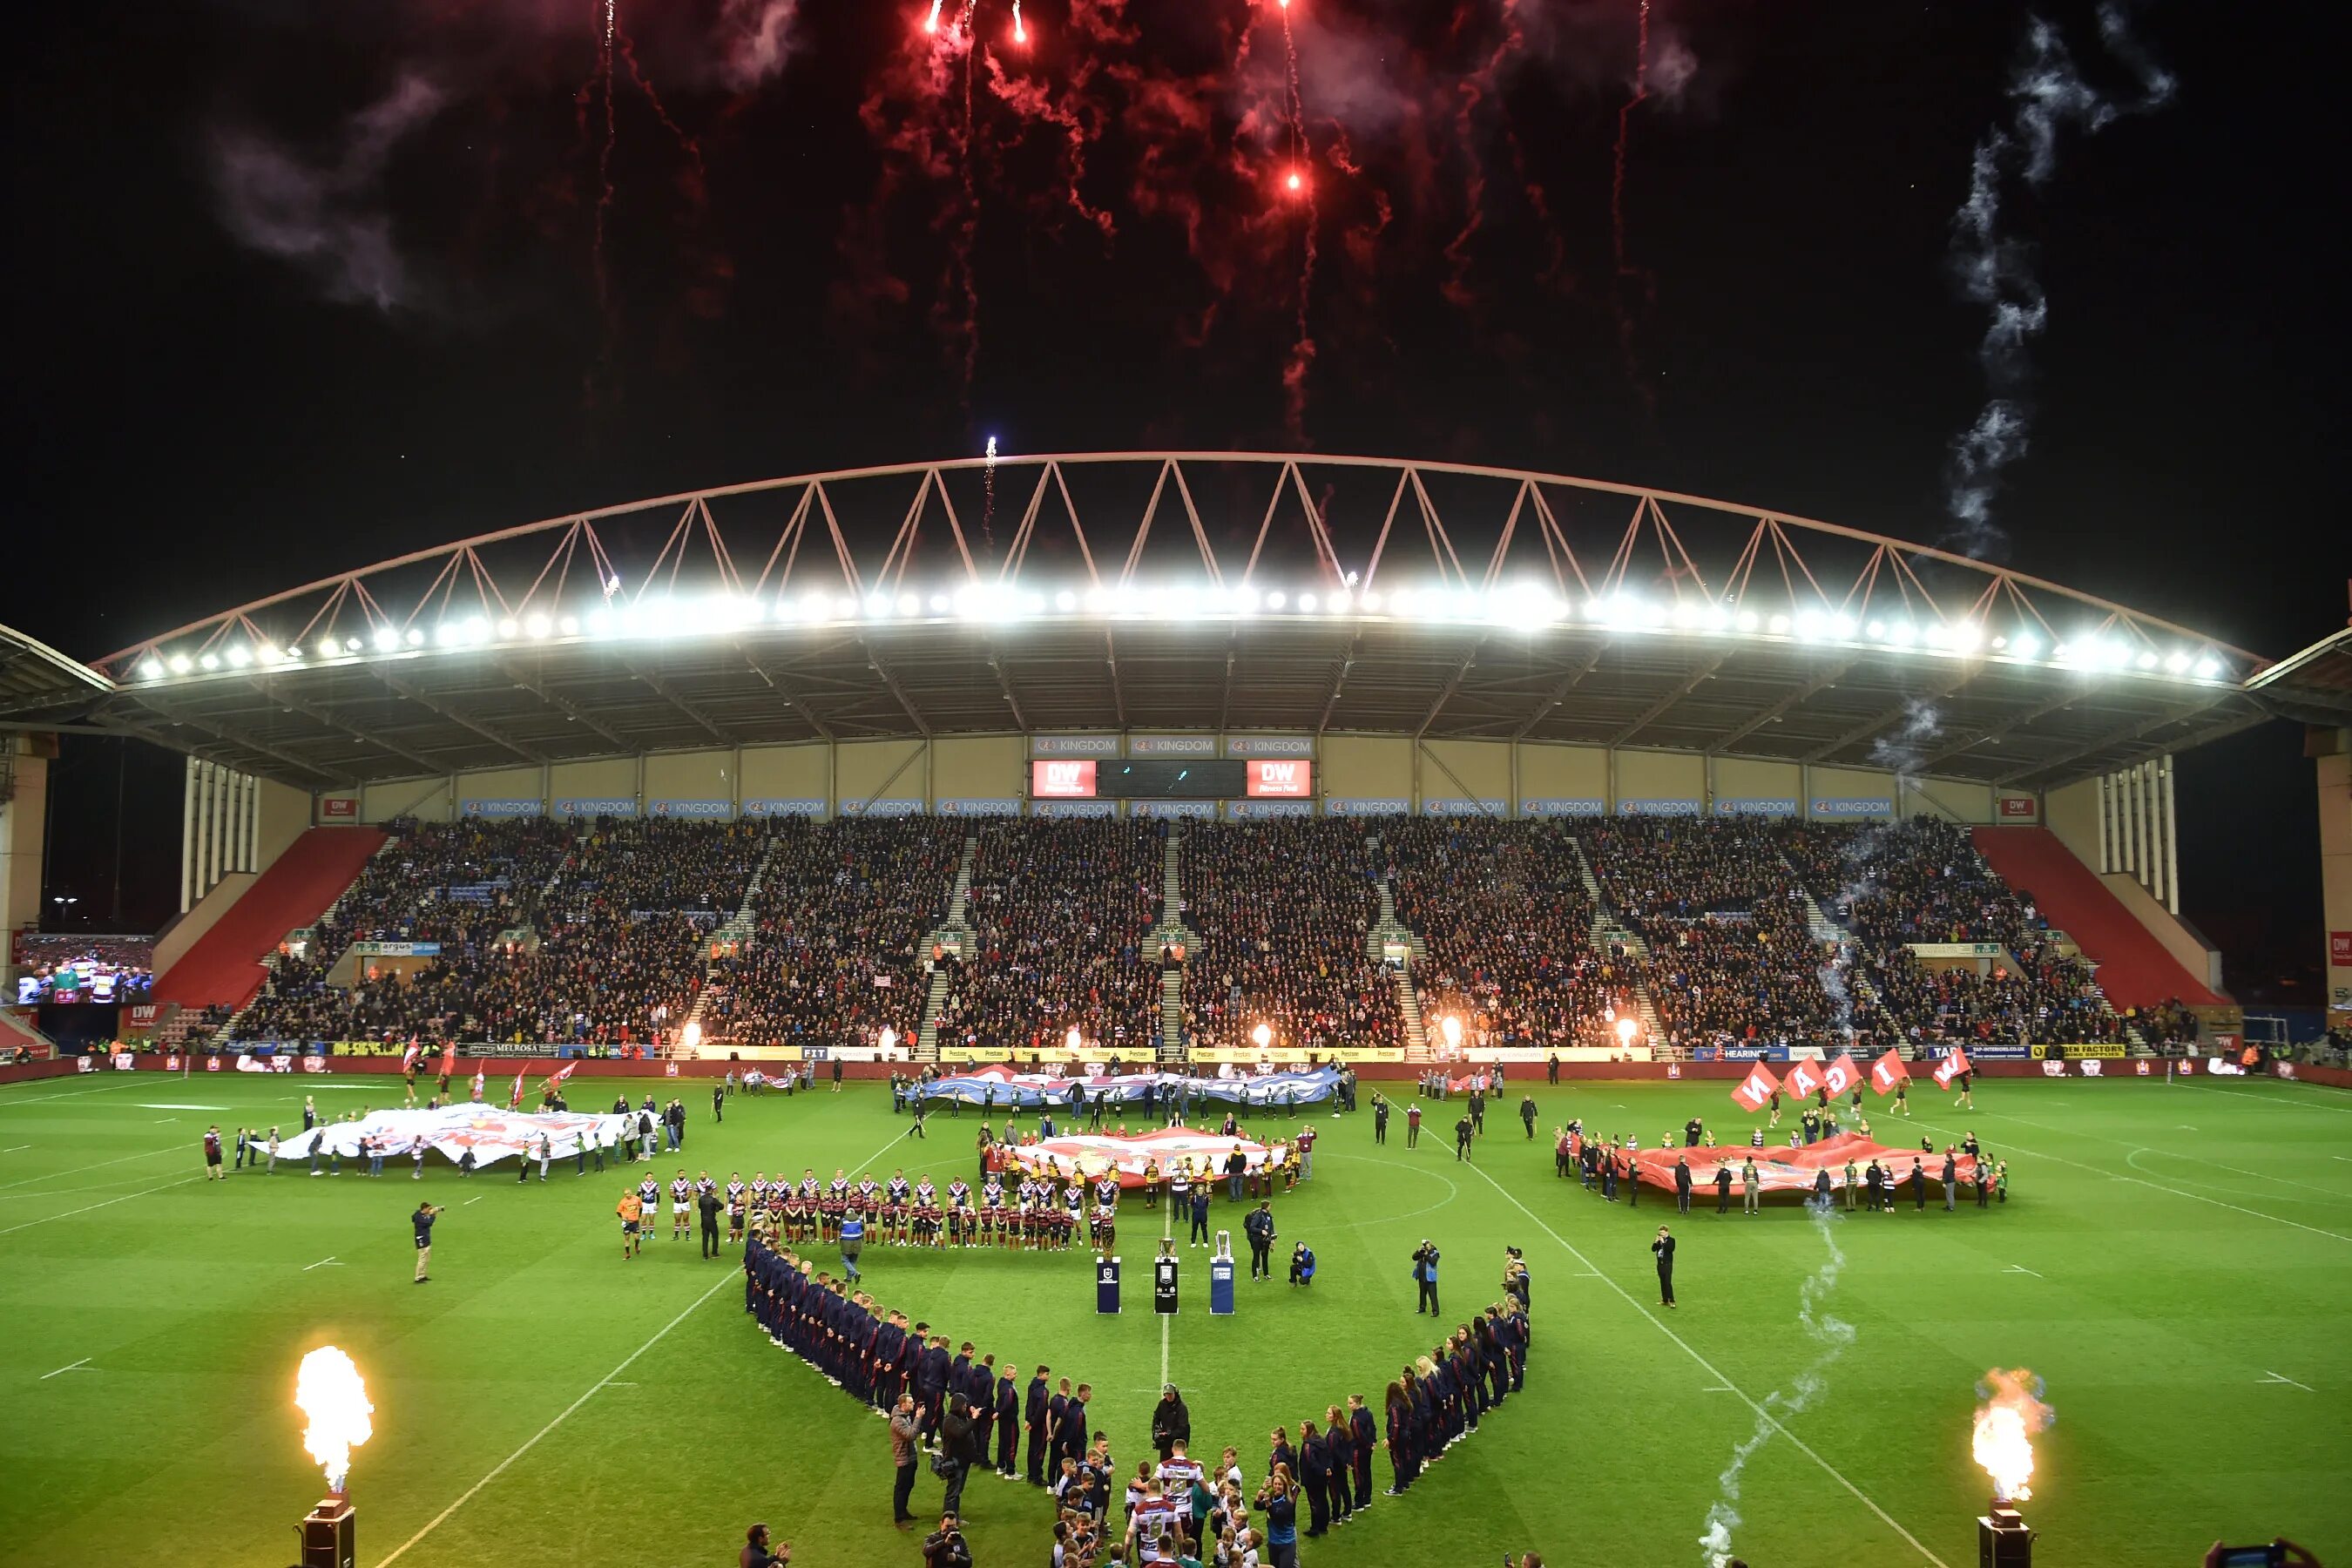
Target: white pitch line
[
  {"x": 22, "y": 1147},
  {"x": 109, "y": 1203},
  {"x": 2282, "y": 1102},
  {"x": 2166, "y": 1187},
  {"x": 471, "y": 1202},
  {"x": 2020, "y": 1268},
  {"x": 2268, "y": 1376},
  {"x": 1762, "y": 1413},
  {"x": 532, "y": 1441},
  {"x": 320, "y": 1264},
  {"x": 1167, "y": 1232},
  {"x": 85, "y": 1361},
  {"x": 78, "y": 1170},
  {"x": 8, "y": 1103},
  {"x": 607, "y": 1381}
]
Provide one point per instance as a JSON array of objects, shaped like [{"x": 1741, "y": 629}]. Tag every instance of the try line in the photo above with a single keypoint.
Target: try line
[{"x": 1709, "y": 1368}]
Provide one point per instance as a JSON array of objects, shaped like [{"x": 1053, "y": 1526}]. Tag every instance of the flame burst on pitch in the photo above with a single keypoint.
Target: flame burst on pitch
[{"x": 2010, "y": 1412}]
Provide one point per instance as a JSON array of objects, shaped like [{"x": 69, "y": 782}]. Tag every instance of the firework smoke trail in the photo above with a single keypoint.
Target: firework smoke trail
[
  {"x": 600, "y": 84},
  {"x": 931, "y": 22},
  {"x": 968, "y": 230},
  {"x": 1833, "y": 1335},
  {"x": 1617, "y": 247},
  {"x": 1300, "y": 184},
  {"x": 1027, "y": 99},
  {"x": 1996, "y": 270},
  {"x": 1020, "y": 33}
]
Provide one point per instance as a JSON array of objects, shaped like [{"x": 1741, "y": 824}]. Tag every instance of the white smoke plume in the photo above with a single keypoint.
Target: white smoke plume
[
  {"x": 1833, "y": 1335},
  {"x": 1899, "y": 749},
  {"x": 754, "y": 40},
  {"x": 325, "y": 216},
  {"x": 1996, "y": 269}
]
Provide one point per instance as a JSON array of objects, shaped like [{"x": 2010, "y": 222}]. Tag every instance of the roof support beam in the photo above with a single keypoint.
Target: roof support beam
[
  {"x": 463, "y": 721},
  {"x": 1559, "y": 694},
  {"x": 1461, "y": 674},
  {"x": 562, "y": 705},
  {"x": 1339, "y": 680},
  {"x": 1877, "y": 723},
  {"x": 1658, "y": 710},
  {"x": 669, "y": 693},
  {"x": 914, "y": 715},
  {"x": 2123, "y": 735},
  {"x": 1004, "y": 685},
  {"x": 1117, "y": 694},
  {"x": 1802, "y": 694},
  {"x": 786, "y": 691},
  {"x": 275, "y": 692},
  {"x": 1991, "y": 734},
  {"x": 232, "y": 736}
]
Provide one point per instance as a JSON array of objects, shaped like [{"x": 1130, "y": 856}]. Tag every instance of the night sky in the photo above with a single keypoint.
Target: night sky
[{"x": 302, "y": 286}]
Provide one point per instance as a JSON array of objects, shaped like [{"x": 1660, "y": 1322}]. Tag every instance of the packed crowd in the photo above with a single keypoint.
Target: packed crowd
[
  {"x": 1061, "y": 909},
  {"x": 836, "y": 950},
  {"x": 1505, "y": 923},
  {"x": 1730, "y": 958},
  {"x": 1285, "y": 909},
  {"x": 1923, "y": 882},
  {"x": 458, "y": 884}
]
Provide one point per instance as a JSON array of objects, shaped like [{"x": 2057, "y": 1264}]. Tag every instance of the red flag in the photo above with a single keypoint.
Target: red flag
[
  {"x": 561, "y": 1073},
  {"x": 1804, "y": 1077},
  {"x": 449, "y": 1060},
  {"x": 1955, "y": 1063},
  {"x": 1842, "y": 1074},
  {"x": 479, "y": 1075},
  {"x": 1886, "y": 1072},
  {"x": 408, "y": 1058},
  {"x": 1757, "y": 1090},
  {"x": 514, "y": 1099}
]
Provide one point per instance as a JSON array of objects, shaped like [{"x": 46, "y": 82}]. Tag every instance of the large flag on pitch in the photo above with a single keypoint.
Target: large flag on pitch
[
  {"x": 1955, "y": 1063},
  {"x": 1841, "y": 1075},
  {"x": 514, "y": 1098},
  {"x": 1804, "y": 1077},
  {"x": 1757, "y": 1090},
  {"x": 1886, "y": 1072}
]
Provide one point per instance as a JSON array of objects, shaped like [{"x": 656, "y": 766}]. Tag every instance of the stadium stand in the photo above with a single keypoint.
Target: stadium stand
[
  {"x": 1506, "y": 926},
  {"x": 835, "y": 951},
  {"x": 2135, "y": 970},
  {"x": 1062, "y": 909},
  {"x": 1284, "y": 909},
  {"x": 225, "y": 965},
  {"x": 1730, "y": 957}
]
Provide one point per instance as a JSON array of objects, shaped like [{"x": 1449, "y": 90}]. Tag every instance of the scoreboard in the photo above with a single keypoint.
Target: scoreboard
[{"x": 1164, "y": 778}]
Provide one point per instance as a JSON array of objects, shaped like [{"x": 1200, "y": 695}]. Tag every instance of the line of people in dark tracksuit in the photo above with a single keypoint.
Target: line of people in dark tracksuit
[
  {"x": 1436, "y": 1401},
  {"x": 874, "y": 1354}
]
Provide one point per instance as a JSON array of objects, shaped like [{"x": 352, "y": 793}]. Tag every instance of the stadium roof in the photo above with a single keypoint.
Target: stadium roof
[
  {"x": 37, "y": 682},
  {"x": 1162, "y": 590}
]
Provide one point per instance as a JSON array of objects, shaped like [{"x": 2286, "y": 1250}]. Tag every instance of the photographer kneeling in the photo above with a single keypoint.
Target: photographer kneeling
[{"x": 945, "y": 1547}]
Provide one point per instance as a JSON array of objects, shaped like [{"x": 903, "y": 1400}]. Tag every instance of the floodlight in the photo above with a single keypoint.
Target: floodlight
[
  {"x": 151, "y": 669},
  {"x": 478, "y": 630},
  {"x": 908, "y": 605},
  {"x": 507, "y": 629},
  {"x": 1275, "y": 600},
  {"x": 2146, "y": 660},
  {"x": 1066, "y": 601},
  {"x": 2177, "y": 663},
  {"x": 181, "y": 664},
  {"x": 2208, "y": 667},
  {"x": 941, "y": 603},
  {"x": 877, "y": 605},
  {"x": 1901, "y": 634},
  {"x": 239, "y": 656},
  {"x": 1748, "y": 620},
  {"x": 1777, "y": 624},
  {"x": 387, "y": 639},
  {"x": 569, "y": 626},
  {"x": 538, "y": 625},
  {"x": 2025, "y": 645},
  {"x": 1371, "y": 601},
  {"x": 210, "y": 661},
  {"x": 1876, "y": 631},
  {"x": 1339, "y": 602}
]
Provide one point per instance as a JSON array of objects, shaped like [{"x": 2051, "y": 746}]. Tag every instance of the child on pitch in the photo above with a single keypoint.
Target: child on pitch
[{"x": 632, "y": 1212}]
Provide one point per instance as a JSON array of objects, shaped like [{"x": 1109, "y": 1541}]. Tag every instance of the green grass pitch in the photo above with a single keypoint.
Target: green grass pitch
[{"x": 2174, "y": 1261}]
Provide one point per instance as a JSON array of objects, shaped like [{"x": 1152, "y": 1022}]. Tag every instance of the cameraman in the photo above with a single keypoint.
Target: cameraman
[
  {"x": 1425, "y": 1275},
  {"x": 945, "y": 1547}
]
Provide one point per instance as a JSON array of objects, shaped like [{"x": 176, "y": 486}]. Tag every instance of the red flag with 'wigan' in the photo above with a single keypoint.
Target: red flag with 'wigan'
[
  {"x": 1886, "y": 1072},
  {"x": 1804, "y": 1077},
  {"x": 1955, "y": 1063},
  {"x": 1842, "y": 1074},
  {"x": 1757, "y": 1090}
]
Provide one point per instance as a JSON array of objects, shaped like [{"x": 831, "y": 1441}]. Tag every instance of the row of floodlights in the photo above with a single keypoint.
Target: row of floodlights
[{"x": 1525, "y": 608}]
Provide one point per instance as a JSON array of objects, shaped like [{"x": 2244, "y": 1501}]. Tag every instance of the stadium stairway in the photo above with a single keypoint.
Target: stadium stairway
[
  {"x": 935, "y": 994},
  {"x": 18, "y": 1033},
  {"x": 1171, "y": 929},
  {"x": 1608, "y": 934},
  {"x": 227, "y": 963},
  {"x": 2134, "y": 969}
]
